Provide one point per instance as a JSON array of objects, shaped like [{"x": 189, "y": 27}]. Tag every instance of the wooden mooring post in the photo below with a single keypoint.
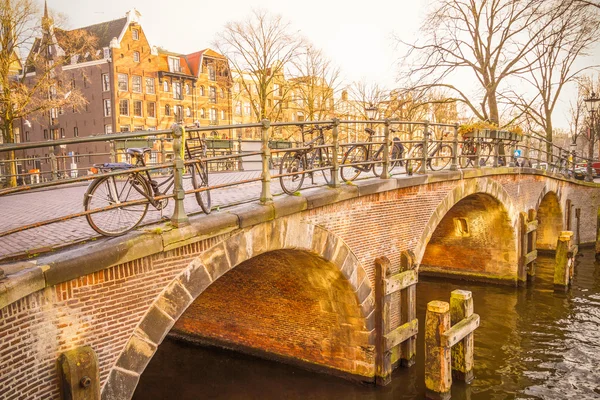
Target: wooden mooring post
[
  {"x": 529, "y": 226},
  {"x": 565, "y": 261},
  {"x": 388, "y": 338},
  {"x": 447, "y": 325},
  {"x": 598, "y": 234}
]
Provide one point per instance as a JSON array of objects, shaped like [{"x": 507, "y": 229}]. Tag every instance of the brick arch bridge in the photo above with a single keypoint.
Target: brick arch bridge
[{"x": 315, "y": 252}]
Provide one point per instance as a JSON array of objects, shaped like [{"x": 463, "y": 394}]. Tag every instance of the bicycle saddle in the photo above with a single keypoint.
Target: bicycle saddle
[{"x": 136, "y": 151}]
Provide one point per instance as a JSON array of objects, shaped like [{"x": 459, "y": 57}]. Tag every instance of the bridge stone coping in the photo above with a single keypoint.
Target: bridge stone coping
[{"x": 24, "y": 278}]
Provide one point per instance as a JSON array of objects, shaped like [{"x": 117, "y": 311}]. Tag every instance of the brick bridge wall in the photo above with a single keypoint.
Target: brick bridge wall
[{"x": 122, "y": 297}]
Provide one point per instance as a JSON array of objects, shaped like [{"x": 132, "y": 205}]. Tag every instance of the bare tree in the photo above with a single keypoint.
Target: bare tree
[
  {"x": 481, "y": 41},
  {"x": 36, "y": 85},
  {"x": 592, "y": 3},
  {"x": 316, "y": 82},
  {"x": 259, "y": 49},
  {"x": 568, "y": 36}
]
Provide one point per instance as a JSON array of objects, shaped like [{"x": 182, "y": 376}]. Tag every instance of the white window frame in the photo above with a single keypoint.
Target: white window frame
[
  {"x": 105, "y": 82},
  {"x": 136, "y": 56},
  {"x": 141, "y": 104},
  {"x": 125, "y": 82},
  {"x": 107, "y": 108},
  {"x": 135, "y": 78},
  {"x": 150, "y": 89},
  {"x": 135, "y": 34}
]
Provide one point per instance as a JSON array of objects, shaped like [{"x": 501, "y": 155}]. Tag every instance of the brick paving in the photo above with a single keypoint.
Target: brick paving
[{"x": 37, "y": 206}]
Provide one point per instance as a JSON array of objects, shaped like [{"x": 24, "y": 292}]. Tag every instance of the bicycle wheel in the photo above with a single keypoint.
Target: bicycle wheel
[
  {"x": 467, "y": 155},
  {"x": 443, "y": 158},
  {"x": 378, "y": 159},
  {"x": 416, "y": 155},
  {"x": 485, "y": 153},
  {"x": 291, "y": 163},
  {"x": 355, "y": 155},
  {"x": 111, "y": 190},
  {"x": 321, "y": 159},
  {"x": 200, "y": 180}
]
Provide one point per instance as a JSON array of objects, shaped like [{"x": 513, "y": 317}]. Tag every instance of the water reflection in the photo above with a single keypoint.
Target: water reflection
[{"x": 532, "y": 343}]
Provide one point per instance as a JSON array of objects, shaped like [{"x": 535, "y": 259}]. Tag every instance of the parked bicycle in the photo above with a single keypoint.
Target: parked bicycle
[
  {"x": 352, "y": 163},
  {"x": 298, "y": 163},
  {"x": 468, "y": 153},
  {"x": 439, "y": 155},
  {"x": 124, "y": 198}
]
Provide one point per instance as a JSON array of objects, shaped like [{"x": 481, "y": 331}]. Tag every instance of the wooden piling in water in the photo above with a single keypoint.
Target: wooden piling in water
[
  {"x": 402, "y": 337},
  {"x": 438, "y": 376},
  {"x": 563, "y": 262},
  {"x": 461, "y": 307},
  {"x": 529, "y": 226},
  {"x": 598, "y": 234}
]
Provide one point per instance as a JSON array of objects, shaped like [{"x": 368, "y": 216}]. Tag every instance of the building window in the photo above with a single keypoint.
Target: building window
[
  {"x": 107, "y": 128},
  {"x": 136, "y": 56},
  {"x": 106, "y": 52},
  {"x": 238, "y": 108},
  {"x": 212, "y": 94},
  {"x": 247, "y": 110},
  {"x": 75, "y": 132},
  {"x": 167, "y": 110},
  {"x": 276, "y": 89},
  {"x": 124, "y": 128},
  {"x": 222, "y": 93},
  {"x": 202, "y": 113},
  {"x": 123, "y": 82},
  {"x": 178, "y": 112},
  {"x": 45, "y": 133},
  {"x": 177, "y": 90},
  {"x": 211, "y": 73},
  {"x": 222, "y": 115},
  {"x": 27, "y": 136},
  {"x": 174, "y": 65},
  {"x": 137, "y": 108},
  {"x": 213, "y": 115},
  {"x": 188, "y": 112},
  {"x": 165, "y": 86},
  {"x": 107, "y": 110},
  {"x": 135, "y": 34},
  {"x": 138, "y": 128},
  {"x": 202, "y": 91},
  {"x": 150, "y": 85},
  {"x": 187, "y": 89},
  {"x": 136, "y": 84},
  {"x": 124, "y": 107},
  {"x": 62, "y": 132},
  {"x": 151, "y": 109}
]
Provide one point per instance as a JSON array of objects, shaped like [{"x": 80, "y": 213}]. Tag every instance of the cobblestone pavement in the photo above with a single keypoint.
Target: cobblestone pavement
[{"x": 32, "y": 207}]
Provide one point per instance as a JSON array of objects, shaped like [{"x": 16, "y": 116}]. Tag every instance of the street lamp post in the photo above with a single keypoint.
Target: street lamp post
[
  {"x": 591, "y": 103},
  {"x": 371, "y": 112}
]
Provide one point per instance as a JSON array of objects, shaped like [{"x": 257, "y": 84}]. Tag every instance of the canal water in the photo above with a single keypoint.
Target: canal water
[{"x": 533, "y": 343}]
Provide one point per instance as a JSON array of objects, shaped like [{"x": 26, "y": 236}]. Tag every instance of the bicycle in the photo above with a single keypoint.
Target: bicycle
[
  {"x": 136, "y": 191},
  {"x": 439, "y": 155},
  {"x": 295, "y": 163},
  {"x": 468, "y": 152},
  {"x": 352, "y": 166}
]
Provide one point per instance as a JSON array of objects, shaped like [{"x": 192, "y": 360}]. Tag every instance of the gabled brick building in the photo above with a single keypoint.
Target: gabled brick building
[{"x": 130, "y": 85}]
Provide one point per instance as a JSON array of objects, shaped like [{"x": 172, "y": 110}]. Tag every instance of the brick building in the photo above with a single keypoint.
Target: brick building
[{"x": 129, "y": 85}]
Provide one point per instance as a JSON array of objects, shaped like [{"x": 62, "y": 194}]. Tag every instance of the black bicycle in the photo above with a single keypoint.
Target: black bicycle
[
  {"x": 122, "y": 199},
  {"x": 296, "y": 164},
  {"x": 361, "y": 158},
  {"x": 439, "y": 155},
  {"x": 468, "y": 153}
]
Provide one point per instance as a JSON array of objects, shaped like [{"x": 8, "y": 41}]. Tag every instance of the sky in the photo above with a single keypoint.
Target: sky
[{"x": 359, "y": 37}]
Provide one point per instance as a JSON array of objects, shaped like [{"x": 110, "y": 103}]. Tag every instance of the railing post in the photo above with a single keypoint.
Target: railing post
[
  {"x": 461, "y": 307},
  {"x": 454, "y": 165},
  {"x": 265, "y": 194},
  {"x": 53, "y": 164},
  {"x": 112, "y": 151},
  {"x": 438, "y": 375},
  {"x": 163, "y": 152},
  {"x": 478, "y": 152},
  {"x": 179, "y": 217},
  {"x": 386, "y": 150},
  {"x": 240, "y": 163},
  {"x": 335, "y": 167},
  {"x": 539, "y": 153},
  {"x": 496, "y": 153},
  {"x": 425, "y": 148}
]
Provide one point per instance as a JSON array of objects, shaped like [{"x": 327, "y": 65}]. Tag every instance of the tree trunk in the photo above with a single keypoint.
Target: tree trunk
[
  {"x": 12, "y": 165},
  {"x": 549, "y": 139},
  {"x": 494, "y": 115}
]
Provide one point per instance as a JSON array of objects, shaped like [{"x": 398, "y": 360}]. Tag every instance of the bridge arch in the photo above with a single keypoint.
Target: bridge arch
[
  {"x": 290, "y": 236},
  {"x": 550, "y": 218},
  {"x": 481, "y": 216}
]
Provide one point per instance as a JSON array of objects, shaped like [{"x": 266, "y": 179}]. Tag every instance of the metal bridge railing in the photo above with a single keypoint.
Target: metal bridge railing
[{"x": 422, "y": 147}]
